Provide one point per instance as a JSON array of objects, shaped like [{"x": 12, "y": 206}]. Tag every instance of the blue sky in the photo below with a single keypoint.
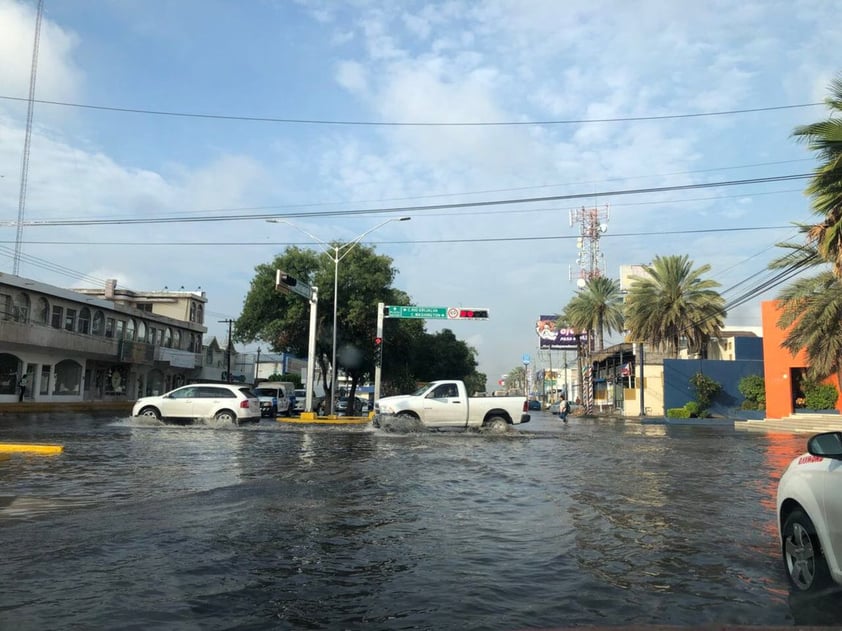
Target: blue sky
[{"x": 411, "y": 62}]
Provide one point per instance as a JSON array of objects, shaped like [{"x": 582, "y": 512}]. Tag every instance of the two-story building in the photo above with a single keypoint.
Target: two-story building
[{"x": 96, "y": 344}]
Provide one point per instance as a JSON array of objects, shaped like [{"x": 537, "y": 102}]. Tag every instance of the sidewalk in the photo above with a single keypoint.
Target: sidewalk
[{"x": 29, "y": 407}]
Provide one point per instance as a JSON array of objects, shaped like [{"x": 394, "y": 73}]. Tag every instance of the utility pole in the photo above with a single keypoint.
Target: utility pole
[{"x": 230, "y": 323}]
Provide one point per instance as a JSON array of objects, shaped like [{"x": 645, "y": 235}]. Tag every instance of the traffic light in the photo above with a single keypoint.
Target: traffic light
[
  {"x": 378, "y": 351},
  {"x": 283, "y": 281},
  {"x": 473, "y": 314}
]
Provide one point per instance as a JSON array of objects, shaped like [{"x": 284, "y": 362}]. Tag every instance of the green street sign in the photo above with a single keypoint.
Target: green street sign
[{"x": 399, "y": 311}]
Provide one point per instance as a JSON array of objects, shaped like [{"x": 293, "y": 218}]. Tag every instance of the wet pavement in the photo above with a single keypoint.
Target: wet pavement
[{"x": 597, "y": 522}]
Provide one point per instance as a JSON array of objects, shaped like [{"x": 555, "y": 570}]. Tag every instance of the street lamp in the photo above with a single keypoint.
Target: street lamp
[{"x": 334, "y": 252}]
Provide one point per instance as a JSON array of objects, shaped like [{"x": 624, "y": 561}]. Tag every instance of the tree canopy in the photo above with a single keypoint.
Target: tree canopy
[
  {"x": 672, "y": 301},
  {"x": 595, "y": 308},
  {"x": 410, "y": 354}
]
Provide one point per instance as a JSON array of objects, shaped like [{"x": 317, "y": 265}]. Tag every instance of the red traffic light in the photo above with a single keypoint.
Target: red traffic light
[
  {"x": 378, "y": 341},
  {"x": 473, "y": 314}
]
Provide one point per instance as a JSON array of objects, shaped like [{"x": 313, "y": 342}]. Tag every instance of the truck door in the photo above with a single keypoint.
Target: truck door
[{"x": 444, "y": 407}]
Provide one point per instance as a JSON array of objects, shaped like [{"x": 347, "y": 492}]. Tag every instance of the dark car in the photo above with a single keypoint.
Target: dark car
[
  {"x": 534, "y": 404},
  {"x": 344, "y": 409}
]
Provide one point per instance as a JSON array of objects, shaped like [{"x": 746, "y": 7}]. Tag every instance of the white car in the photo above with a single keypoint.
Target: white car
[
  {"x": 810, "y": 514},
  {"x": 224, "y": 402}
]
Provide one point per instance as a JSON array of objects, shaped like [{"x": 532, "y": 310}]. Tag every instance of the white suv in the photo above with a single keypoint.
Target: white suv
[
  {"x": 220, "y": 401},
  {"x": 810, "y": 514}
]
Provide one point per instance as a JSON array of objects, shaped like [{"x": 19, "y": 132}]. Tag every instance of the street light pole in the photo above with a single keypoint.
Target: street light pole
[{"x": 336, "y": 258}]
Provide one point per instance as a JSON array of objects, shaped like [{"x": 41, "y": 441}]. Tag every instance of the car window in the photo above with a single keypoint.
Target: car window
[
  {"x": 210, "y": 392},
  {"x": 248, "y": 393},
  {"x": 267, "y": 392},
  {"x": 184, "y": 393}
]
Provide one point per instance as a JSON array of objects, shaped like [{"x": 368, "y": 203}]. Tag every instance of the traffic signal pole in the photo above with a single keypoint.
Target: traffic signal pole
[{"x": 378, "y": 369}]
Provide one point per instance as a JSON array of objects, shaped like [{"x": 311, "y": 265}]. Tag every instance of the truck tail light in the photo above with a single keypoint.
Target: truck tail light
[{"x": 525, "y": 405}]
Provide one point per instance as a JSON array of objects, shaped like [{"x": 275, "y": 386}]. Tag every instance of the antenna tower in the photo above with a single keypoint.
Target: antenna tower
[
  {"x": 24, "y": 167},
  {"x": 592, "y": 222}
]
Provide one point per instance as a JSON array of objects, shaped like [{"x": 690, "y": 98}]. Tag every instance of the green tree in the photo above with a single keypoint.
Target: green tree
[
  {"x": 410, "y": 354},
  {"x": 706, "y": 390},
  {"x": 811, "y": 308},
  {"x": 597, "y": 308},
  {"x": 282, "y": 320},
  {"x": 672, "y": 301},
  {"x": 753, "y": 388},
  {"x": 825, "y": 187}
]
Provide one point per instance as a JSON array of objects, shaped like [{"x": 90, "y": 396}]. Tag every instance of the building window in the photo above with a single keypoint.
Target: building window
[
  {"x": 121, "y": 328},
  {"x": 130, "y": 328},
  {"x": 99, "y": 323},
  {"x": 141, "y": 331},
  {"x": 70, "y": 320},
  {"x": 6, "y": 307},
  {"x": 176, "y": 339},
  {"x": 152, "y": 333},
  {"x": 21, "y": 307},
  {"x": 42, "y": 312},
  {"x": 58, "y": 315},
  {"x": 68, "y": 377},
  {"x": 45, "y": 379},
  {"x": 168, "y": 337},
  {"x": 85, "y": 321},
  {"x": 109, "y": 327},
  {"x": 200, "y": 314},
  {"x": 209, "y": 356}
]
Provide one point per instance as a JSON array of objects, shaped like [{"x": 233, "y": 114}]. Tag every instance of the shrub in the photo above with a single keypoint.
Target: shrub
[
  {"x": 753, "y": 388},
  {"x": 678, "y": 413},
  {"x": 706, "y": 389},
  {"x": 820, "y": 396},
  {"x": 693, "y": 409}
]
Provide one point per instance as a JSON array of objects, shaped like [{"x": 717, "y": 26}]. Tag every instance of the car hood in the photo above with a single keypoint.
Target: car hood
[{"x": 387, "y": 404}]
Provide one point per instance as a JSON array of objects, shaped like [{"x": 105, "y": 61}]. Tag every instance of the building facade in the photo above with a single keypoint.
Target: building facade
[{"x": 96, "y": 344}]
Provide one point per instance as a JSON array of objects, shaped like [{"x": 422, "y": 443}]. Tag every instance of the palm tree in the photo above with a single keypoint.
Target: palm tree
[
  {"x": 597, "y": 307},
  {"x": 825, "y": 187},
  {"x": 674, "y": 301},
  {"x": 812, "y": 306}
]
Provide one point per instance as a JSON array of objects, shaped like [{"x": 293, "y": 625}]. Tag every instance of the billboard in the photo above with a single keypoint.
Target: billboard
[{"x": 552, "y": 337}]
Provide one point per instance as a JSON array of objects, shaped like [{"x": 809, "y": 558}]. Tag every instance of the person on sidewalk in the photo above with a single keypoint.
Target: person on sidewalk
[
  {"x": 564, "y": 409},
  {"x": 22, "y": 384}
]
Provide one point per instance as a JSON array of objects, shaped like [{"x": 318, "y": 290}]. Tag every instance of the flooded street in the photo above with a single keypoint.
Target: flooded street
[{"x": 141, "y": 525}]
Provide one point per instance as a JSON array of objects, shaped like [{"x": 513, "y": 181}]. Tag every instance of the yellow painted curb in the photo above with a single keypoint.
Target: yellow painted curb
[
  {"x": 30, "y": 448},
  {"x": 325, "y": 420}
]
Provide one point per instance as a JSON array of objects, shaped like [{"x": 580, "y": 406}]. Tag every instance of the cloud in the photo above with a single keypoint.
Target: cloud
[{"x": 58, "y": 76}]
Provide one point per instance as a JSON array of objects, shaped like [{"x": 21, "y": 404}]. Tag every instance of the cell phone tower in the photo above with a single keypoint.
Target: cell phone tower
[{"x": 592, "y": 222}]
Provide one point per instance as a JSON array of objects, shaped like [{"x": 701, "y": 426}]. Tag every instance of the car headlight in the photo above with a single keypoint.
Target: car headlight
[{"x": 385, "y": 409}]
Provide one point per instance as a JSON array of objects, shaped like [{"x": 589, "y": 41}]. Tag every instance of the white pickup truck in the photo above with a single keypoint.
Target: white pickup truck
[{"x": 446, "y": 404}]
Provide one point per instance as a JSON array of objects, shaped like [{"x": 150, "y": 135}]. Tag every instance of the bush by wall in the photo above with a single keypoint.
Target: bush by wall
[
  {"x": 753, "y": 388},
  {"x": 678, "y": 413},
  {"x": 820, "y": 396}
]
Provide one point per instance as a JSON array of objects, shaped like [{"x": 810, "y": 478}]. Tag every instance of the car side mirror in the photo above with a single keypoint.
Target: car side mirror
[{"x": 826, "y": 444}]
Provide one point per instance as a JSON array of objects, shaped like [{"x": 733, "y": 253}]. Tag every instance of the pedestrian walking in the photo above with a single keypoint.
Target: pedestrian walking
[
  {"x": 564, "y": 409},
  {"x": 22, "y": 384}
]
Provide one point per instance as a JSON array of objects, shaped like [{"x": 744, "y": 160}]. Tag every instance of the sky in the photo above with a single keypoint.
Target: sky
[{"x": 338, "y": 116}]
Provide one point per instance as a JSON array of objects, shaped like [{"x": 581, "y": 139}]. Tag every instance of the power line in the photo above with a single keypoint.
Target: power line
[
  {"x": 308, "y": 121},
  {"x": 544, "y": 237},
  {"x": 405, "y": 209}
]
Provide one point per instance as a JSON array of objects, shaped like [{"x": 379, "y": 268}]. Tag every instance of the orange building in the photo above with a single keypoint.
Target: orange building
[{"x": 783, "y": 371}]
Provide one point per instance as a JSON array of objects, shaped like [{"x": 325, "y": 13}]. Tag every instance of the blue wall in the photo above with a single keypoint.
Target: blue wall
[
  {"x": 748, "y": 348},
  {"x": 678, "y": 391}
]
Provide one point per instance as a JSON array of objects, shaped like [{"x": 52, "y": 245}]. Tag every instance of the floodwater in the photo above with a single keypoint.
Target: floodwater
[{"x": 138, "y": 525}]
